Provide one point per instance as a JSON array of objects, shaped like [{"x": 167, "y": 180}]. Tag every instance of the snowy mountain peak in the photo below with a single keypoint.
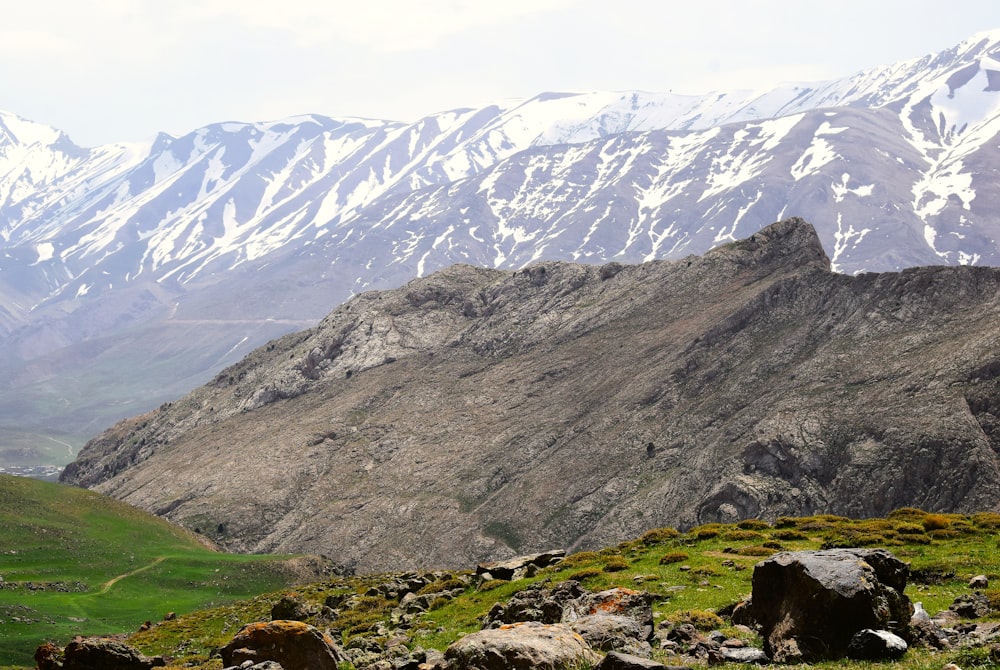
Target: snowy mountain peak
[{"x": 251, "y": 227}]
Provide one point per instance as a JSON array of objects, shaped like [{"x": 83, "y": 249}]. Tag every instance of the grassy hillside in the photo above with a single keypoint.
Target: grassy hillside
[
  {"x": 695, "y": 574},
  {"x": 75, "y": 562}
]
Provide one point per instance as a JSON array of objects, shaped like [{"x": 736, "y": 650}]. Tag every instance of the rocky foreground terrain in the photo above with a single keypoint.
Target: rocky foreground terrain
[{"x": 479, "y": 413}]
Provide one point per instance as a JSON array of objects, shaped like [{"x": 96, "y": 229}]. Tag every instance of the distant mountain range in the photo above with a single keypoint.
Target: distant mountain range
[{"x": 130, "y": 273}]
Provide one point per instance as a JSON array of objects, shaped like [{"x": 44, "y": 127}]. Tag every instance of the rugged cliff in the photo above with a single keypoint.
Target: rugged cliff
[{"x": 477, "y": 413}]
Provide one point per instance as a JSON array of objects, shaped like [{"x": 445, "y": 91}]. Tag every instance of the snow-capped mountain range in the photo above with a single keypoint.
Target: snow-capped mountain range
[{"x": 245, "y": 230}]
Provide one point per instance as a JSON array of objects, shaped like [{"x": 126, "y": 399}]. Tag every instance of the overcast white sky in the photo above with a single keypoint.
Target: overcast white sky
[{"x": 122, "y": 70}]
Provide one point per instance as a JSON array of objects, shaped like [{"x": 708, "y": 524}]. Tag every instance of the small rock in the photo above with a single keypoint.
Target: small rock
[
  {"x": 979, "y": 582},
  {"x": 971, "y": 606},
  {"x": 746, "y": 655},
  {"x": 519, "y": 566},
  {"x": 876, "y": 645},
  {"x": 929, "y": 634},
  {"x": 619, "y": 661}
]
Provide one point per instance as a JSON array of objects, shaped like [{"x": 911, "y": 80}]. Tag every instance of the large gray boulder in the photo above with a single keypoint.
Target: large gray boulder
[
  {"x": 809, "y": 604},
  {"x": 521, "y": 645}
]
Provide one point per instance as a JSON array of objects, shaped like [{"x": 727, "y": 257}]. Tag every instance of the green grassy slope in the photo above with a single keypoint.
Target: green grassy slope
[
  {"x": 75, "y": 562},
  {"x": 695, "y": 574}
]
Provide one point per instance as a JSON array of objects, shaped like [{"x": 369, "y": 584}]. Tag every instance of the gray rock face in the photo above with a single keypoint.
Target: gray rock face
[
  {"x": 481, "y": 415},
  {"x": 521, "y": 645},
  {"x": 810, "y": 604}
]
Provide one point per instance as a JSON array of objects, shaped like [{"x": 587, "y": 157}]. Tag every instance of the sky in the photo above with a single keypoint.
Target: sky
[{"x": 123, "y": 70}]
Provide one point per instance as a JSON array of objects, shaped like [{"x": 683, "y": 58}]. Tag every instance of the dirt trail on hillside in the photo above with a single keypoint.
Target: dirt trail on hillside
[{"x": 114, "y": 580}]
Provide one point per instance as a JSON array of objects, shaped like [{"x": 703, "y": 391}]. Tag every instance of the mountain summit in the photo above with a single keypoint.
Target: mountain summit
[{"x": 480, "y": 413}]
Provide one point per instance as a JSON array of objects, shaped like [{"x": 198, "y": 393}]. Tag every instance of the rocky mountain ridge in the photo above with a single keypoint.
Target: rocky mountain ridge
[
  {"x": 480, "y": 413},
  {"x": 182, "y": 255}
]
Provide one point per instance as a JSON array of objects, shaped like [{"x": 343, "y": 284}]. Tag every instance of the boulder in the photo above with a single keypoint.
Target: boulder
[
  {"x": 536, "y": 603},
  {"x": 48, "y": 656},
  {"x": 613, "y": 632},
  {"x": 979, "y": 582},
  {"x": 106, "y": 654},
  {"x": 293, "y": 644},
  {"x": 927, "y": 633},
  {"x": 809, "y": 604},
  {"x": 637, "y": 605},
  {"x": 514, "y": 568},
  {"x": 266, "y": 665},
  {"x": 876, "y": 645},
  {"x": 971, "y": 606},
  {"x": 292, "y": 607},
  {"x": 521, "y": 645}
]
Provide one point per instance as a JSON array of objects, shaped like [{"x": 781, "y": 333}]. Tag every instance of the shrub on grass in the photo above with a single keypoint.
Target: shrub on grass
[
  {"x": 705, "y": 571},
  {"x": 491, "y": 584},
  {"x": 615, "y": 564},
  {"x": 846, "y": 538},
  {"x": 986, "y": 520},
  {"x": 658, "y": 535},
  {"x": 963, "y": 526},
  {"x": 585, "y": 574},
  {"x": 909, "y": 528},
  {"x": 700, "y": 619},
  {"x": 742, "y": 535},
  {"x": 753, "y": 524},
  {"x": 673, "y": 557},
  {"x": 944, "y": 534},
  {"x": 439, "y": 585},
  {"x": 706, "y": 532},
  {"x": 936, "y": 522},
  {"x": 911, "y": 514},
  {"x": 813, "y": 525},
  {"x": 580, "y": 558},
  {"x": 755, "y": 550},
  {"x": 789, "y": 534}
]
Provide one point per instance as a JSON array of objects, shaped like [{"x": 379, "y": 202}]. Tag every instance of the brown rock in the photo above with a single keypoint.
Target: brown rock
[
  {"x": 106, "y": 654},
  {"x": 293, "y": 644}
]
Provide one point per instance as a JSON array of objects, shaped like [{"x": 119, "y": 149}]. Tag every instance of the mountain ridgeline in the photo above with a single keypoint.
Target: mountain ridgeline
[
  {"x": 174, "y": 258},
  {"x": 479, "y": 413}
]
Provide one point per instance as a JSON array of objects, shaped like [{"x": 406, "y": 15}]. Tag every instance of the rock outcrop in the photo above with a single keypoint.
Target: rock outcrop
[{"x": 479, "y": 415}]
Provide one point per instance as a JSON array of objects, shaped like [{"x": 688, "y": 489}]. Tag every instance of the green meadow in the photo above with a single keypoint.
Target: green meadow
[{"x": 76, "y": 562}]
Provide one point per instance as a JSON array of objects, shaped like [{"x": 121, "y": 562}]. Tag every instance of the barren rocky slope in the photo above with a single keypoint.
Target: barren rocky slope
[{"x": 477, "y": 413}]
